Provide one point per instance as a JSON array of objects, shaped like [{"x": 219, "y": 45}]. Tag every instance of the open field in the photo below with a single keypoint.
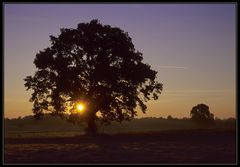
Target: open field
[{"x": 169, "y": 146}]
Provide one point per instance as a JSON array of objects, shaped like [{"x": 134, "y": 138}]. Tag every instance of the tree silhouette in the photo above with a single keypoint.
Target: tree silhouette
[
  {"x": 169, "y": 117},
  {"x": 201, "y": 114},
  {"x": 95, "y": 64}
]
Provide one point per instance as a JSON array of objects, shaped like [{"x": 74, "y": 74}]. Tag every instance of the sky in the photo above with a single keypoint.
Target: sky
[{"x": 192, "y": 46}]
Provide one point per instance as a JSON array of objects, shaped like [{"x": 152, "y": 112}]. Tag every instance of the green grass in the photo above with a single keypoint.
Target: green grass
[
  {"x": 56, "y": 127},
  {"x": 42, "y": 134}
]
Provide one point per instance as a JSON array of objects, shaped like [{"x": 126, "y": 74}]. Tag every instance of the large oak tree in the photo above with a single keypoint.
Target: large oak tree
[{"x": 95, "y": 64}]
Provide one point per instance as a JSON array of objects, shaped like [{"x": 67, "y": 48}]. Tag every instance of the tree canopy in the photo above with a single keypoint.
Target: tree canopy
[
  {"x": 97, "y": 65},
  {"x": 200, "y": 113}
]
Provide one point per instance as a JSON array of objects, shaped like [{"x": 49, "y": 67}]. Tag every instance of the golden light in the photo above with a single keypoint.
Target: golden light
[
  {"x": 80, "y": 107},
  {"x": 99, "y": 114}
]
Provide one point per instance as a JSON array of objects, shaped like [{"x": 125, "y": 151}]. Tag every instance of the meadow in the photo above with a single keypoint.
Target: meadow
[{"x": 147, "y": 140}]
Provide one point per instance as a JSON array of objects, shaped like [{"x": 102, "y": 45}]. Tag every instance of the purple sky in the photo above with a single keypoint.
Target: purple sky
[{"x": 192, "y": 46}]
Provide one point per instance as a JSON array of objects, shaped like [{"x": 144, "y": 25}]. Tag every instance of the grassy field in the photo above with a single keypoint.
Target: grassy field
[
  {"x": 147, "y": 140},
  {"x": 167, "y": 146},
  {"x": 56, "y": 127}
]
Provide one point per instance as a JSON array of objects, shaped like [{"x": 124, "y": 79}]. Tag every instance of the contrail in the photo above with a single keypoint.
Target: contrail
[{"x": 175, "y": 67}]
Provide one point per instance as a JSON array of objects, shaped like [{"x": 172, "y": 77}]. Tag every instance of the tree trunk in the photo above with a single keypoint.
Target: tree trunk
[{"x": 91, "y": 124}]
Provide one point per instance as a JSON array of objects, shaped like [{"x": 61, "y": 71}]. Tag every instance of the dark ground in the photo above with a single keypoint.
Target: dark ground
[{"x": 173, "y": 146}]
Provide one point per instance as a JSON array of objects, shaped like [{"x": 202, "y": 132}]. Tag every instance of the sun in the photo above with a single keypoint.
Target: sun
[{"x": 80, "y": 107}]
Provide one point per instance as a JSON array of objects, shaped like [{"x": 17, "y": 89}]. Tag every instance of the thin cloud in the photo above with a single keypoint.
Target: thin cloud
[
  {"x": 173, "y": 67},
  {"x": 181, "y": 93},
  {"x": 200, "y": 91}
]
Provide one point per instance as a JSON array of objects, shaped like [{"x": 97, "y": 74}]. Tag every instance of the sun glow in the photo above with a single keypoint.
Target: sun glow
[{"x": 80, "y": 107}]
